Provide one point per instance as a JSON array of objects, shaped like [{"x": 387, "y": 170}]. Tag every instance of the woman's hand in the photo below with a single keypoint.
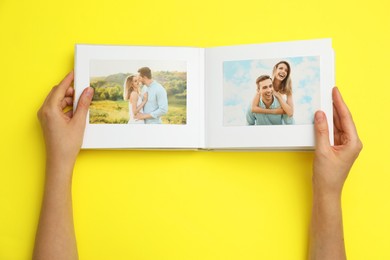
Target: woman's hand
[
  {"x": 286, "y": 106},
  {"x": 332, "y": 163},
  {"x": 63, "y": 132},
  {"x": 330, "y": 170},
  {"x": 277, "y": 95}
]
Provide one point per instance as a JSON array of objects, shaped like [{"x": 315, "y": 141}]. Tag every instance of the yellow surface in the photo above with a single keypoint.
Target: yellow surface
[{"x": 191, "y": 205}]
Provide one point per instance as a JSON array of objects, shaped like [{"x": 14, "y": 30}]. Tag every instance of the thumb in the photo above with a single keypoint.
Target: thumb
[
  {"x": 321, "y": 130},
  {"x": 83, "y": 105}
]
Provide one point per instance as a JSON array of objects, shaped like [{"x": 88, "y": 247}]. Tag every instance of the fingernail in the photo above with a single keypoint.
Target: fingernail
[
  {"x": 319, "y": 116},
  {"x": 89, "y": 92}
]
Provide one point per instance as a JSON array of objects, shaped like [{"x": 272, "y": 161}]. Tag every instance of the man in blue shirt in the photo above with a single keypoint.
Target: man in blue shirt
[
  {"x": 267, "y": 101},
  {"x": 157, "y": 104}
]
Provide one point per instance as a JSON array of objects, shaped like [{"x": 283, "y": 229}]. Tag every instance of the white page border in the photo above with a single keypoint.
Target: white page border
[
  {"x": 286, "y": 136},
  {"x": 152, "y": 136}
]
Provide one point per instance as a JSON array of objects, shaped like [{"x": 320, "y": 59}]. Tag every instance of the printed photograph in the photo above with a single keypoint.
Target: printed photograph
[
  {"x": 138, "y": 92},
  {"x": 282, "y": 91}
]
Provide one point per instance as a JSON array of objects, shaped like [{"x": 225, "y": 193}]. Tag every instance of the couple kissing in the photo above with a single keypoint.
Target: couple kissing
[{"x": 147, "y": 98}]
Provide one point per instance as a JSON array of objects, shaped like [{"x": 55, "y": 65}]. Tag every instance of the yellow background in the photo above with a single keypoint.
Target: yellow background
[{"x": 191, "y": 205}]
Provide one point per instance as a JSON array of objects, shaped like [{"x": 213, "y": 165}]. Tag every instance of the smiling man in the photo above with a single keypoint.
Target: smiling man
[{"x": 267, "y": 101}]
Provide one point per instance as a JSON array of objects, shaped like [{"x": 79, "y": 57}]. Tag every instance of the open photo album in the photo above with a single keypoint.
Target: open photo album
[{"x": 245, "y": 97}]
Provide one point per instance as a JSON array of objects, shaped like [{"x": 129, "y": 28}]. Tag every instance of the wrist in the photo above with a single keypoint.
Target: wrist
[
  {"x": 326, "y": 203},
  {"x": 323, "y": 187},
  {"x": 61, "y": 154},
  {"x": 59, "y": 166},
  {"x": 326, "y": 194}
]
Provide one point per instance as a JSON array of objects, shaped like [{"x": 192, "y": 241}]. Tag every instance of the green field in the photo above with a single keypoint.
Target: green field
[{"x": 117, "y": 112}]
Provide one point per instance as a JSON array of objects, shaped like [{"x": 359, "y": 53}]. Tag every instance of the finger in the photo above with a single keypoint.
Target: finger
[
  {"x": 336, "y": 118},
  {"x": 321, "y": 130},
  {"x": 67, "y": 101},
  {"x": 60, "y": 90},
  {"x": 69, "y": 92},
  {"x": 48, "y": 97},
  {"x": 45, "y": 103},
  {"x": 346, "y": 122},
  {"x": 54, "y": 95},
  {"x": 83, "y": 105},
  {"x": 69, "y": 113},
  {"x": 337, "y": 127}
]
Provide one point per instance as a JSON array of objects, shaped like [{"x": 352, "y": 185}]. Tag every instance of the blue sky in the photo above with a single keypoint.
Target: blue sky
[{"x": 239, "y": 87}]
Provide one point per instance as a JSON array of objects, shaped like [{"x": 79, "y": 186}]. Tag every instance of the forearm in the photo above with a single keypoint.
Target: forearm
[
  {"x": 260, "y": 110},
  {"x": 134, "y": 108},
  {"x": 326, "y": 235},
  {"x": 55, "y": 238},
  {"x": 160, "y": 111},
  {"x": 287, "y": 108},
  {"x": 139, "y": 108},
  {"x": 144, "y": 116},
  {"x": 255, "y": 108}
]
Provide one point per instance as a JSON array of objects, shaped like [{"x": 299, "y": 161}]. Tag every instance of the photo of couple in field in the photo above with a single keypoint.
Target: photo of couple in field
[
  {"x": 138, "y": 92},
  {"x": 271, "y": 91}
]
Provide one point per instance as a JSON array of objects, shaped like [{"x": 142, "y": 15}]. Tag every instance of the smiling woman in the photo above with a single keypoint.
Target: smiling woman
[{"x": 282, "y": 87}]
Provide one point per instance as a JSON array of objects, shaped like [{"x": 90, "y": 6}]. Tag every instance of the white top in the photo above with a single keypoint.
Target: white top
[{"x": 131, "y": 113}]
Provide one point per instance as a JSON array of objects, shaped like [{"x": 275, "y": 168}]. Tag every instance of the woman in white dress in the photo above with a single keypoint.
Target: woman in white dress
[
  {"x": 132, "y": 94},
  {"x": 282, "y": 91}
]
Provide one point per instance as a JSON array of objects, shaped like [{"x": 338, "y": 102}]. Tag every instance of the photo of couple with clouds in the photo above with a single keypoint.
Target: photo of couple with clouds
[{"x": 271, "y": 91}]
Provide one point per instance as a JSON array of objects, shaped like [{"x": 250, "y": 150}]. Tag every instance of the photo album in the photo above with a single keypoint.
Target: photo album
[{"x": 244, "y": 97}]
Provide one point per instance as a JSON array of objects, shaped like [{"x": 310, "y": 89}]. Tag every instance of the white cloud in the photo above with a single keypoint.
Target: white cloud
[
  {"x": 234, "y": 115},
  {"x": 258, "y": 68},
  {"x": 303, "y": 114}
]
